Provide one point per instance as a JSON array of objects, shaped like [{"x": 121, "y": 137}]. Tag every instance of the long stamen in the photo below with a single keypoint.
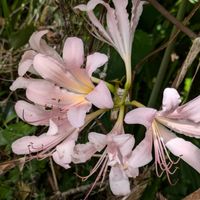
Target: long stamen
[
  {"x": 162, "y": 155},
  {"x": 95, "y": 168},
  {"x": 102, "y": 171}
]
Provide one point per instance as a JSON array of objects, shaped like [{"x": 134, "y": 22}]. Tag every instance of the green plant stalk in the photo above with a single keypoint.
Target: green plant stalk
[
  {"x": 127, "y": 62},
  {"x": 121, "y": 115},
  {"x": 135, "y": 103},
  {"x": 5, "y": 8},
  {"x": 92, "y": 116},
  {"x": 166, "y": 58}
]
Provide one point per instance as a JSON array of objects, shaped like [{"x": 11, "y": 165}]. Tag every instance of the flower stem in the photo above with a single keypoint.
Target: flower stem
[
  {"x": 135, "y": 103},
  {"x": 128, "y": 73},
  {"x": 121, "y": 114},
  {"x": 92, "y": 116}
]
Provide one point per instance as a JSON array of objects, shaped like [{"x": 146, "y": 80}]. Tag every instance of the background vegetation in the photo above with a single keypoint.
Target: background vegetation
[{"x": 42, "y": 179}]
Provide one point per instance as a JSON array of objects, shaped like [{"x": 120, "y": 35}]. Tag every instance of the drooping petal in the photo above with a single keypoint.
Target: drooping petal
[
  {"x": 100, "y": 96},
  {"x": 142, "y": 154},
  {"x": 98, "y": 140},
  {"x": 89, "y": 9},
  {"x": 185, "y": 127},
  {"x": 76, "y": 115},
  {"x": 45, "y": 93},
  {"x": 171, "y": 100},
  {"x": 119, "y": 183},
  {"x": 20, "y": 82},
  {"x": 32, "y": 114},
  {"x": 142, "y": 116},
  {"x": 95, "y": 61},
  {"x": 186, "y": 151},
  {"x": 83, "y": 152},
  {"x": 63, "y": 154},
  {"x": 40, "y": 45},
  {"x": 190, "y": 110},
  {"x": 73, "y": 52},
  {"x": 32, "y": 144},
  {"x": 26, "y": 62}
]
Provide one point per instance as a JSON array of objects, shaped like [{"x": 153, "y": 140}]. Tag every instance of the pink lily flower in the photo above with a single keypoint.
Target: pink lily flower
[
  {"x": 38, "y": 45},
  {"x": 161, "y": 125},
  {"x": 57, "y": 142},
  {"x": 119, "y": 32},
  {"x": 117, "y": 154},
  {"x": 66, "y": 87}
]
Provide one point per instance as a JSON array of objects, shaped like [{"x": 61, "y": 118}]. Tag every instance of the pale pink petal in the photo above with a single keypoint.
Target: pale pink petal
[
  {"x": 26, "y": 62},
  {"x": 98, "y": 140},
  {"x": 123, "y": 22},
  {"x": 125, "y": 143},
  {"x": 137, "y": 8},
  {"x": 119, "y": 183},
  {"x": 113, "y": 29},
  {"x": 40, "y": 45},
  {"x": 142, "y": 154},
  {"x": 100, "y": 96},
  {"x": 35, "y": 40},
  {"x": 143, "y": 116},
  {"x": 64, "y": 126},
  {"x": 82, "y": 76},
  {"x": 32, "y": 114},
  {"x": 186, "y": 151},
  {"x": 185, "y": 127},
  {"x": 83, "y": 152},
  {"x": 20, "y": 82},
  {"x": 76, "y": 115},
  {"x": 73, "y": 52},
  {"x": 53, "y": 128},
  {"x": 190, "y": 110},
  {"x": 53, "y": 71},
  {"x": 63, "y": 154},
  {"x": 171, "y": 100},
  {"x": 58, "y": 160},
  {"x": 32, "y": 144},
  {"x": 45, "y": 93},
  {"x": 95, "y": 61},
  {"x": 89, "y": 9},
  {"x": 132, "y": 171}
]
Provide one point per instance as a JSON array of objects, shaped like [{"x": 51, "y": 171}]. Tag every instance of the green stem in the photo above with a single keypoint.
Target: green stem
[
  {"x": 128, "y": 72},
  {"x": 165, "y": 60},
  {"x": 135, "y": 103},
  {"x": 121, "y": 115},
  {"x": 92, "y": 116}
]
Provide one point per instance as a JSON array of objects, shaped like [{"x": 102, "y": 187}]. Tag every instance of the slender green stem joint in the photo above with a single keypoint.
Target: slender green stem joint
[
  {"x": 135, "y": 103},
  {"x": 127, "y": 62},
  {"x": 121, "y": 114}
]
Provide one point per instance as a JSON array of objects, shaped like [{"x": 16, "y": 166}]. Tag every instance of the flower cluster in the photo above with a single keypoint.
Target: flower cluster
[{"x": 62, "y": 96}]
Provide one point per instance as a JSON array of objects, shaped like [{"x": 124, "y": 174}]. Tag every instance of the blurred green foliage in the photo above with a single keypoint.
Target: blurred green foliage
[{"x": 18, "y": 20}]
